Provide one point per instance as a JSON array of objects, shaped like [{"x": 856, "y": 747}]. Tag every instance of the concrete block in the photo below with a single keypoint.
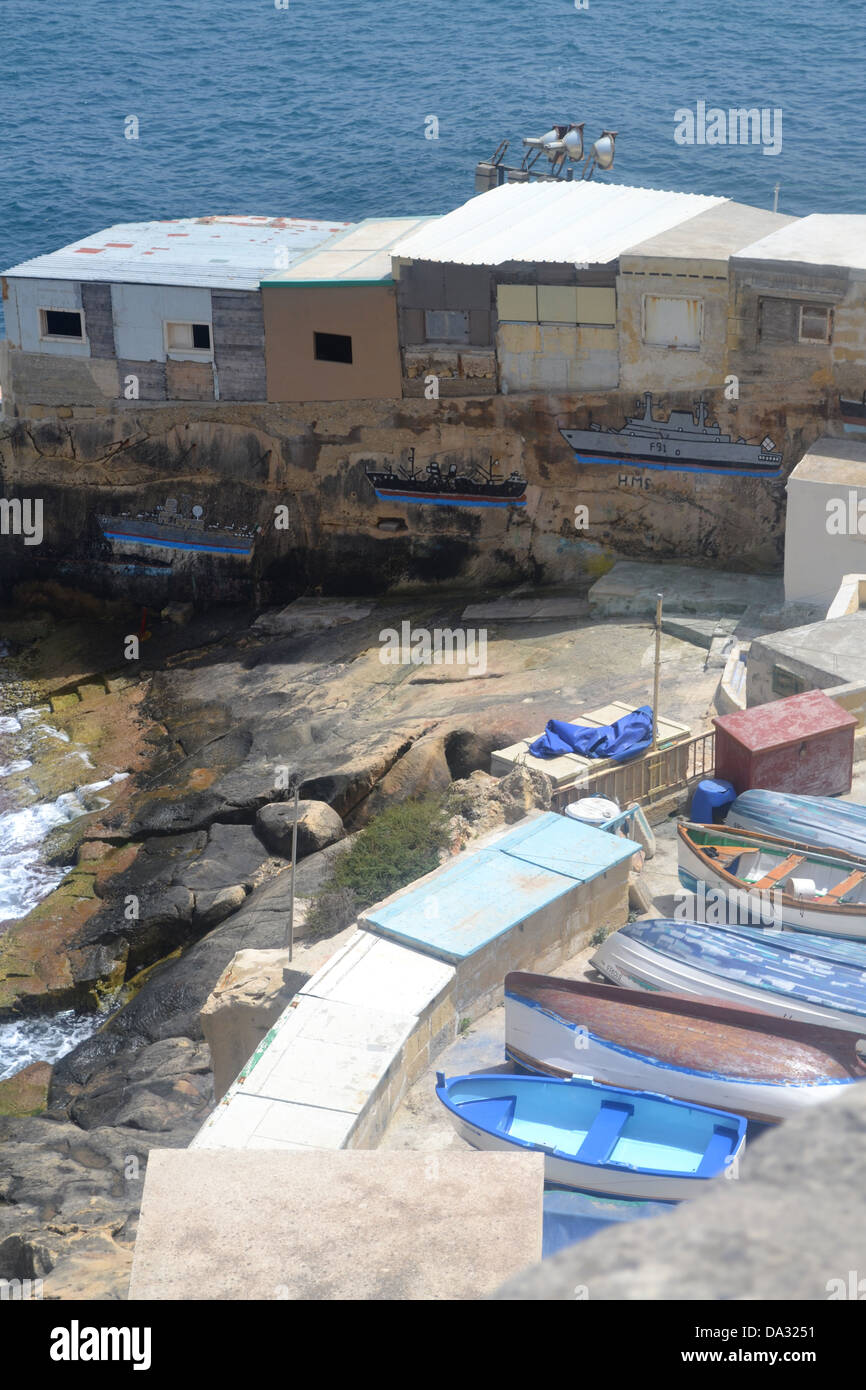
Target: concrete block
[
  {"x": 245, "y": 1003},
  {"x": 300, "y": 1227}
]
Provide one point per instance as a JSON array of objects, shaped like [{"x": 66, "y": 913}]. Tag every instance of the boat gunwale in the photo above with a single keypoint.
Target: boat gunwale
[
  {"x": 739, "y": 1121},
  {"x": 773, "y": 841}
]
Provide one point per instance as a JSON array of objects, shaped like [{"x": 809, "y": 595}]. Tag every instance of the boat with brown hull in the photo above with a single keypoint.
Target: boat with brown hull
[{"x": 737, "y": 1059}]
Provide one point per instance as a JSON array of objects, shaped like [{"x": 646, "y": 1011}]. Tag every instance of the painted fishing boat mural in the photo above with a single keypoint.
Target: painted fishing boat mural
[
  {"x": 681, "y": 443},
  {"x": 808, "y": 889},
  {"x": 725, "y": 966},
  {"x": 765, "y": 1068},
  {"x": 596, "y": 1138},
  {"x": 822, "y": 821},
  {"x": 172, "y": 527},
  {"x": 477, "y": 487},
  {"x": 853, "y": 414}
]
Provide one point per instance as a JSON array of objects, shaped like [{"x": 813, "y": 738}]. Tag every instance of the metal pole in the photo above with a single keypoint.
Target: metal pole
[
  {"x": 657, "y": 671},
  {"x": 292, "y": 874}
]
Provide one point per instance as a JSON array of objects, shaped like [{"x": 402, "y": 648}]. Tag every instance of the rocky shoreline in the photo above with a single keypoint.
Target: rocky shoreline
[{"x": 186, "y": 866}]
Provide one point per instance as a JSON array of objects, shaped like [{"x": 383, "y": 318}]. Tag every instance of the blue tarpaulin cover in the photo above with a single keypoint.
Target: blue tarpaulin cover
[{"x": 624, "y": 739}]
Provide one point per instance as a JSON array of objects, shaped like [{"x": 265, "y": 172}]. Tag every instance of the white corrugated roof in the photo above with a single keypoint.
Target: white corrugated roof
[
  {"x": 570, "y": 223},
  {"x": 231, "y": 252},
  {"x": 831, "y": 239}
]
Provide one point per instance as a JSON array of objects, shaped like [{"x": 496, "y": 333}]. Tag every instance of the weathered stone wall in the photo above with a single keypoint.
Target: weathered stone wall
[{"x": 241, "y": 461}]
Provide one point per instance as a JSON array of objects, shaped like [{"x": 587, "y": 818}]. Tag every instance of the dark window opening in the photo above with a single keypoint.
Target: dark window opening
[
  {"x": 333, "y": 347},
  {"x": 201, "y": 336},
  {"x": 61, "y": 323}
]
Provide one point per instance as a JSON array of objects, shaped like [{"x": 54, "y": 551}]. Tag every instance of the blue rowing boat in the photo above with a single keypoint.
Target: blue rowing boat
[
  {"x": 596, "y": 1138},
  {"x": 757, "y": 970},
  {"x": 822, "y": 821}
]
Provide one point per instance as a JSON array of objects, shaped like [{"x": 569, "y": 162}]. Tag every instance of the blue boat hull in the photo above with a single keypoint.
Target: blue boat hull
[{"x": 594, "y": 1138}]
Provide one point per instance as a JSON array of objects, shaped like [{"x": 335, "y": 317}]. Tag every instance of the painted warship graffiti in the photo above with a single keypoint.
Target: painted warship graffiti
[
  {"x": 853, "y": 414},
  {"x": 169, "y": 527},
  {"x": 679, "y": 443},
  {"x": 477, "y": 487}
]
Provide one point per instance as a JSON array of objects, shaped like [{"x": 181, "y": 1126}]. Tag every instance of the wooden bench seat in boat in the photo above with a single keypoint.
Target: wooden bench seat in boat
[
  {"x": 781, "y": 871},
  {"x": 845, "y": 887},
  {"x": 604, "y": 1131}
]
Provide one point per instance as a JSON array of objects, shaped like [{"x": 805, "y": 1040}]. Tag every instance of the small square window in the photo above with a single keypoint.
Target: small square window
[
  {"x": 188, "y": 337},
  {"x": 62, "y": 323},
  {"x": 333, "y": 347},
  {"x": 816, "y": 321}
]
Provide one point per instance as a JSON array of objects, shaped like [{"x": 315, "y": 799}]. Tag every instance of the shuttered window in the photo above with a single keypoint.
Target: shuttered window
[{"x": 672, "y": 322}]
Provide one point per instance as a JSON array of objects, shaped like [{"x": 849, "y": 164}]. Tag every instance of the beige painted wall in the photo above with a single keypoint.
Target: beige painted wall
[
  {"x": 366, "y": 313},
  {"x": 647, "y": 367}
]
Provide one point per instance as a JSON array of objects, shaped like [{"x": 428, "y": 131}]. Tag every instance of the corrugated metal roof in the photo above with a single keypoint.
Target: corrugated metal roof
[
  {"x": 568, "y": 223},
  {"x": 224, "y": 252},
  {"x": 831, "y": 239},
  {"x": 361, "y": 255}
]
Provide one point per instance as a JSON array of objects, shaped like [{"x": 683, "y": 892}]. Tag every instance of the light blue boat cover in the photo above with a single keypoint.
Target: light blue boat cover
[
  {"x": 624, "y": 739},
  {"x": 763, "y": 960},
  {"x": 813, "y": 820}
]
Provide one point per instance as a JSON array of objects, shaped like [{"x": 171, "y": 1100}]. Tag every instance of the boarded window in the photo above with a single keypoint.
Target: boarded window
[
  {"x": 557, "y": 304},
  {"x": 446, "y": 326},
  {"x": 596, "y": 306},
  {"x": 333, "y": 347},
  {"x": 778, "y": 320},
  {"x": 61, "y": 323},
  {"x": 517, "y": 304},
  {"x": 672, "y": 323},
  {"x": 815, "y": 323},
  {"x": 188, "y": 337}
]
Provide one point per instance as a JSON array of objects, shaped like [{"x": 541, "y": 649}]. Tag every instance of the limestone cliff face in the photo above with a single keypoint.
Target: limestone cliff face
[{"x": 300, "y": 474}]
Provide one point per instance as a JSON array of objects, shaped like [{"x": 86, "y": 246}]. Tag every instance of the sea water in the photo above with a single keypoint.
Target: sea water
[{"x": 322, "y": 108}]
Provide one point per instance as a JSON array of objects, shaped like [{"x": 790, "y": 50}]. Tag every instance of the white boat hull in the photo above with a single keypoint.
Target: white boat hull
[
  {"x": 586, "y": 1177},
  {"x": 771, "y": 910},
  {"x": 636, "y": 966},
  {"x": 533, "y": 1038}
]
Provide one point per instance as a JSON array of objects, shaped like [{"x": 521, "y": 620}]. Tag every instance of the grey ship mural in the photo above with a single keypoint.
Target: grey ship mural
[
  {"x": 171, "y": 527},
  {"x": 679, "y": 443}
]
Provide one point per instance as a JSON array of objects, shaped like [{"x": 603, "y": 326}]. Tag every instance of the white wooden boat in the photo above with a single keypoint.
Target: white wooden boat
[
  {"x": 765, "y": 1068},
  {"x": 763, "y": 878},
  {"x": 596, "y": 1138},
  {"x": 702, "y": 962}
]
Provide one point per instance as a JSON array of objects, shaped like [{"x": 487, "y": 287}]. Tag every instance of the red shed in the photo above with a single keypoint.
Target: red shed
[{"x": 802, "y": 744}]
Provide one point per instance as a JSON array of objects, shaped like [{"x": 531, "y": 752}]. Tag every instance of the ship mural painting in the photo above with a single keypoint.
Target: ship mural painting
[
  {"x": 171, "y": 527},
  {"x": 681, "y": 443},
  {"x": 477, "y": 487},
  {"x": 853, "y": 414}
]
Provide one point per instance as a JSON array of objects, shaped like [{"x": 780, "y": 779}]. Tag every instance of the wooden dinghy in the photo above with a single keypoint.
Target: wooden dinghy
[
  {"x": 701, "y": 962},
  {"x": 732, "y": 1059},
  {"x": 821, "y": 821},
  {"x": 596, "y": 1138},
  {"x": 763, "y": 878}
]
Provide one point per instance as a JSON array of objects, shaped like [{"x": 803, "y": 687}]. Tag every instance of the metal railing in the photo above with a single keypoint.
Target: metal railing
[{"x": 648, "y": 778}]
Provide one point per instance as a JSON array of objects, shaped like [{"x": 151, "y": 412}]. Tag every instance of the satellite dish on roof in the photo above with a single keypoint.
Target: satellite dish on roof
[{"x": 198, "y": 511}]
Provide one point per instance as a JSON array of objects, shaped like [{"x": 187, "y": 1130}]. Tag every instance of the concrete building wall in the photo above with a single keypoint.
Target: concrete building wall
[
  {"x": 765, "y": 346},
  {"x": 823, "y": 536},
  {"x": 367, "y": 314},
  {"x": 848, "y": 349},
  {"x": 239, "y": 345},
  {"x": 22, "y": 310},
  {"x": 140, "y": 312},
  {"x": 690, "y": 290}
]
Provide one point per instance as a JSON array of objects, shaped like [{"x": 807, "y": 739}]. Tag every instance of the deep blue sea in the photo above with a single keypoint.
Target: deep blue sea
[{"x": 319, "y": 109}]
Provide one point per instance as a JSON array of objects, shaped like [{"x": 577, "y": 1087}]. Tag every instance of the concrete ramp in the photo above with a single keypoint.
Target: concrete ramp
[{"x": 352, "y": 1224}]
